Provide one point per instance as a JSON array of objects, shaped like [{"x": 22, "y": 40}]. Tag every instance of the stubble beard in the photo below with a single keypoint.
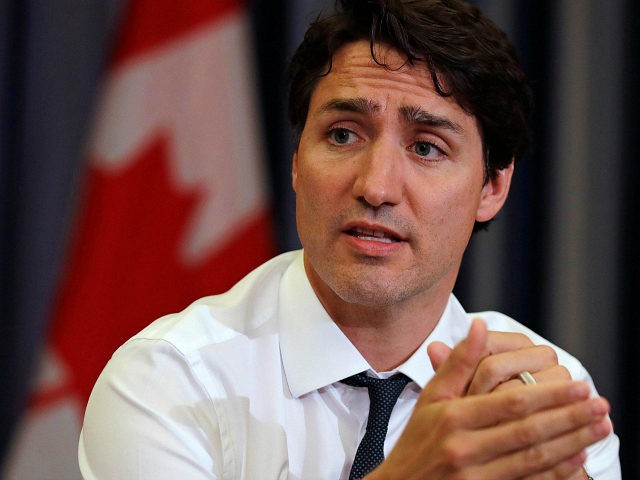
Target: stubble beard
[{"x": 363, "y": 285}]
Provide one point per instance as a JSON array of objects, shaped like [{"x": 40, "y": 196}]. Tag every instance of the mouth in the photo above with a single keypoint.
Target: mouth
[{"x": 374, "y": 235}]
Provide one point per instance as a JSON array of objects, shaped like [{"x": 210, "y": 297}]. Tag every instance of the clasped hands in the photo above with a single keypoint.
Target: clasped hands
[{"x": 474, "y": 420}]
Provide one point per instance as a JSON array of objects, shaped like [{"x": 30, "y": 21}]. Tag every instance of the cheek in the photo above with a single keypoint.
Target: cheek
[
  {"x": 319, "y": 186},
  {"x": 450, "y": 212},
  {"x": 465, "y": 195},
  {"x": 313, "y": 198}
]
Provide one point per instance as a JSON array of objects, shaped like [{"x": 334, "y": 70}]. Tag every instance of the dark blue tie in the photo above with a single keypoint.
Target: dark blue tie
[{"x": 383, "y": 395}]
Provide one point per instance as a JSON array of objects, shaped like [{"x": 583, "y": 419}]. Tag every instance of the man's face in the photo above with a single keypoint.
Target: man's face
[{"x": 389, "y": 182}]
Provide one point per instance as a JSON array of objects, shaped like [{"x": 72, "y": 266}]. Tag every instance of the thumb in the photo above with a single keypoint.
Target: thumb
[
  {"x": 438, "y": 352},
  {"x": 455, "y": 371}
]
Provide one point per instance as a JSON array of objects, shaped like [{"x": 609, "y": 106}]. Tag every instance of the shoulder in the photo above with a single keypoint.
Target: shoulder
[
  {"x": 208, "y": 341},
  {"x": 246, "y": 307},
  {"x": 163, "y": 396}
]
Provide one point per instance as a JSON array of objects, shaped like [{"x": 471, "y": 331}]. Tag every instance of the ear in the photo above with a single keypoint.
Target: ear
[
  {"x": 294, "y": 171},
  {"x": 494, "y": 194}
]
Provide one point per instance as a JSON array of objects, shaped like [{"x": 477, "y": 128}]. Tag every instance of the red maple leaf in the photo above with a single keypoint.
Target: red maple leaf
[{"x": 124, "y": 270}]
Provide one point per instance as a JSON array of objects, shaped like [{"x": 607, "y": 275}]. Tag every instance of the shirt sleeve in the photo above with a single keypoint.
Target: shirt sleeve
[{"x": 148, "y": 418}]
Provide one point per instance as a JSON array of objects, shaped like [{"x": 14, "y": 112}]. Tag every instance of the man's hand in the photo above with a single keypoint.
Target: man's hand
[
  {"x": 536, "y": 432},
  {"x": 505, "y": 355}
]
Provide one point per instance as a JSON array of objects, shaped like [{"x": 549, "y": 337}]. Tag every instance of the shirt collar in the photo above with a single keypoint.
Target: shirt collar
[{"x": 315, "y": 352}]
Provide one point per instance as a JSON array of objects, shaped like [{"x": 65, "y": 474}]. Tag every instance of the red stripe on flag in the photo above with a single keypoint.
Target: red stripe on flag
[{"x": 148, "y": 24}]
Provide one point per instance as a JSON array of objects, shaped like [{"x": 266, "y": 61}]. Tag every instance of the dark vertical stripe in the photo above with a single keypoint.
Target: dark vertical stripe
[
  {"x": 528, "y": 204},
  {"x": 13, "y": 28},
  {"x": 523, "y": 215},
  {"x": 270, "y": 20},
  {"x": 628, "y": 419},
  {"x": 53, "y": 53}
]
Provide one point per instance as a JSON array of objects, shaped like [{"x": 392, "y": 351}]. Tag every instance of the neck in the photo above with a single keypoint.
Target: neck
[
  {"x": 387, "y": 336},
  {"x": 386, "y": 328}
]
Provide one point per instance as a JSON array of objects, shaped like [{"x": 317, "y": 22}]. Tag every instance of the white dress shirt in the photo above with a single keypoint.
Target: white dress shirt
[{"x": 245, "y": 385}]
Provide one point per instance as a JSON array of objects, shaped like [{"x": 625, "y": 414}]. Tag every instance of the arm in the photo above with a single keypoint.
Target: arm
[
  {"x": 148, "y": 418},
  {"x": 516, "y": 433}
]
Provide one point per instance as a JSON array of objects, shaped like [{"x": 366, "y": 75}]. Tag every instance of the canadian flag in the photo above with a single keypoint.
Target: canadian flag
[{"x": 175, "y": 206}]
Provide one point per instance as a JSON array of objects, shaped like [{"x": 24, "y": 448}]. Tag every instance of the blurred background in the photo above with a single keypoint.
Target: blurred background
[{"x": 145, "y": 161}]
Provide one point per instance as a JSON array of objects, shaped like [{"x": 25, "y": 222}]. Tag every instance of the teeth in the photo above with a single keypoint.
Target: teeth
[
  {"x": 373, "y": 235},
  {"x": 377, "y": 239}
]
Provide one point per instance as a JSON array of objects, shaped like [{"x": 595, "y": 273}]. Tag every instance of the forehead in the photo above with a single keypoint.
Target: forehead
[{"x": 395, "y": 84}]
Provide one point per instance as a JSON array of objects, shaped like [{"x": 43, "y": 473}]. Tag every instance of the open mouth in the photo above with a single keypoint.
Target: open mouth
[{"x": 373, "y": 235}]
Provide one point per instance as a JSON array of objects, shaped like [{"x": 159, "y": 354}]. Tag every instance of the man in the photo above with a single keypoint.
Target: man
[{"x": 409, "y": 116}]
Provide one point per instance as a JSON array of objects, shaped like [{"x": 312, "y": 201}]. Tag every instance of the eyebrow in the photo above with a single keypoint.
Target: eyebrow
[
  {"x": 414, "y": 114},
  {"x": 356, "y": 105},
  {"x": 408, "y": 113}
]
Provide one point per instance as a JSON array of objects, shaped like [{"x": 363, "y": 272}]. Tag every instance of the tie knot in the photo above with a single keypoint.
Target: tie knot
[{"x": 380, "y": 388}]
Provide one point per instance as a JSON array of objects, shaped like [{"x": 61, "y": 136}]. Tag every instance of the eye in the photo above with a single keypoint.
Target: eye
[
  {"x": 341, "y": 136},
  {"x": 423, "y": 148},
  {"x": 427, "y": 150}
]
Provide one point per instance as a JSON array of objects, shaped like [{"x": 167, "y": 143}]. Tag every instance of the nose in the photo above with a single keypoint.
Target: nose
[{"x": 380, "y": 178}]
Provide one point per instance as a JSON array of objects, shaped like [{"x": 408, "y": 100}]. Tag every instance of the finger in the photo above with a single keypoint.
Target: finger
[
  {"x": 566, "y": 469},
  {"x": 556, "y": 458},
  {"x": 548, "y": 442},
  {"x": 489, "y": 410},
  {"x": 499, "y": 342},
  {"x": 544, "y": 426},
  {"x": 454, "y": 374},
  {"x": 556, "y": 373},
  {"x": 499, "y": 368},
  {"x": 438, "y": 352},
  {"x": 571, "y": 469}
]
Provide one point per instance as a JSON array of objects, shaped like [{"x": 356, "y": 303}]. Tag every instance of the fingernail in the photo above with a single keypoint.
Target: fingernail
[
  {"x": 597, "y": 407},
  {"x": 601, "y": 428},
  {"x": 578, "y": 459},
  {"x": 579, "y": 390}
]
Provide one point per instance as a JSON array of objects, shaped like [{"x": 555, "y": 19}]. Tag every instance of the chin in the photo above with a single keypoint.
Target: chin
[{"x": 370, "y": 293}]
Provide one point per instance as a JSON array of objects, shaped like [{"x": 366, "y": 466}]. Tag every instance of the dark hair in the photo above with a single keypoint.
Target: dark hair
[{"x": 469, "y": 57}]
